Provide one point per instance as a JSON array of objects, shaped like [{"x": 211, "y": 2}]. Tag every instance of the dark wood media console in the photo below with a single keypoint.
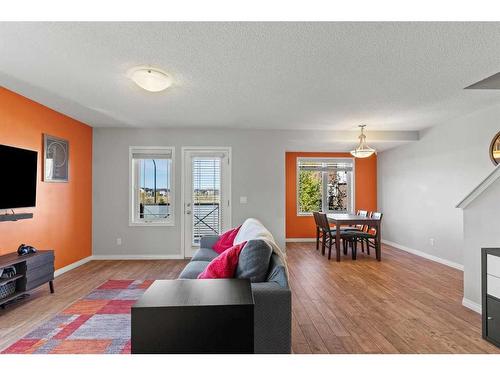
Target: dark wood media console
[{"x": 32, "y": 271}]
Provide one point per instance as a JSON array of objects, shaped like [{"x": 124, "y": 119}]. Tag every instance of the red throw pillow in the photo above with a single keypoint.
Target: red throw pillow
[
  {"x": 224, "y": 266},
  {"x": 225, "y": 240}
]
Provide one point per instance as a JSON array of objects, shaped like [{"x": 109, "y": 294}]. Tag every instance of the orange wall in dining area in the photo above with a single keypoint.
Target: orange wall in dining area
[
  {"x": 365, "y": 176},
  {"x": 62, "y": 218}
]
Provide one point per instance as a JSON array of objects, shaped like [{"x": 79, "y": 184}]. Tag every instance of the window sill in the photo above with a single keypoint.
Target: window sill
[{"x": 150, "y": 224}]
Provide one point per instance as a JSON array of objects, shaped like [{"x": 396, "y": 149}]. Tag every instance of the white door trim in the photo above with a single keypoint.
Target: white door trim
[{"x": 184, "y": 150}]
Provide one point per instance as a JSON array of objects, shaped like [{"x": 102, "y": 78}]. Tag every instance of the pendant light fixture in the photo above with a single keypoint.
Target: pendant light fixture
[{"x": 362, "y": 151}]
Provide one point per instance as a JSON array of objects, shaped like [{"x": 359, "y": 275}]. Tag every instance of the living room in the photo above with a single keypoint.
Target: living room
[{"x": 307, "y": 187}]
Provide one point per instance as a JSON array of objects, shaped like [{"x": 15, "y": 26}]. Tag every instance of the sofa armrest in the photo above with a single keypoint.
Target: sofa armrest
[
  {"x": 208, "y": 242},
  {"x": 272, "y": 318}
]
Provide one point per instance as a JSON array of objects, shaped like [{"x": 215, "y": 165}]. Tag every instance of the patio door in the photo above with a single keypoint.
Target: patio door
[{"x": 206, "y": 194}]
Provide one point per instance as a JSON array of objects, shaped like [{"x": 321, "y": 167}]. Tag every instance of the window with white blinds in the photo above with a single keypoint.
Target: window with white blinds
[
  {"x": 324, "y": 184},
  {"x": 207, "y": 199},
  {"x": 151, "y": 185}
]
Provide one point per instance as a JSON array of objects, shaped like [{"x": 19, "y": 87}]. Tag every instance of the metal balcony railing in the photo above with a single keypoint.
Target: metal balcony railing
[{"x": 206, "y": 220}]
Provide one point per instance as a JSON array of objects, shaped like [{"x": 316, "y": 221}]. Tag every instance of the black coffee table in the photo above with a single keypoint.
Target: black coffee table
[{"x": 194, "y": 316}]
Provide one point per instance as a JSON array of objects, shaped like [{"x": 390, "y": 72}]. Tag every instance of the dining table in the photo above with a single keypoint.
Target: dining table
[{"x": 351, "y": 219}]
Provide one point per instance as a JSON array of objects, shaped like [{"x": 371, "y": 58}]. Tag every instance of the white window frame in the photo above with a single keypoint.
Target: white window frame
[
  {"x": 324, "y": 193},
  {"x": 134, "y": 220}
]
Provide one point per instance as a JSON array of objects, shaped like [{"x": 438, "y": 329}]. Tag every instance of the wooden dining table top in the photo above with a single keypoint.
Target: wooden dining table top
[{"x": 350, "y": 218}]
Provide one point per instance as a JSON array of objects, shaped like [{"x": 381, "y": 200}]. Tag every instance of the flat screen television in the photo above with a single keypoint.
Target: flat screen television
[{"x": 17, "y": 177}]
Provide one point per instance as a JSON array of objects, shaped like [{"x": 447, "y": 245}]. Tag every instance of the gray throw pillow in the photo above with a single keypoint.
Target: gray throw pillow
[{"x": 253, "y": 262}]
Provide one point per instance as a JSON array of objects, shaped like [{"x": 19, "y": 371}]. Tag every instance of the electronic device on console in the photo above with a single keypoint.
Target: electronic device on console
[{"x": 25, "y": 249}]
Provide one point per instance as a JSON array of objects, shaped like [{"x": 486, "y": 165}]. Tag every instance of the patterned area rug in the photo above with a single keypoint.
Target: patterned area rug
[{"x": 97, "y": 323}]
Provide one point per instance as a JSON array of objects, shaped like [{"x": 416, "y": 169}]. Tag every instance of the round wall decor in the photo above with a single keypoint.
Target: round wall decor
[{"x": 495, "y": 149}]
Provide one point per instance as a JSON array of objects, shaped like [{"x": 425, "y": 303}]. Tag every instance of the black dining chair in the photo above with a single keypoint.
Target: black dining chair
[
  {"x": 367, "y": 236},
  {"x": 361, "y": 241},
  {"x": 328, "y": 234},
  {"x": 362, "y": 213},
  {"x": 318, "y": 228},
  {"x": 348, "y": 240}
]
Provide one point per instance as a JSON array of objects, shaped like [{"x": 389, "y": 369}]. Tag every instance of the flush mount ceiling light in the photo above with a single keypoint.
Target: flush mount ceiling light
[
  {"x": 362, "y": 151},
  {"x": 150, "y": 79}
]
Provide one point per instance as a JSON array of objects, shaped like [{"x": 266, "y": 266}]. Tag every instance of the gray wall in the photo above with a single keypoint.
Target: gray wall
[
  {"x": 257, "y": 172},
  {"x": 421, "y": 183},
  {"x": 481, "y": 223}
]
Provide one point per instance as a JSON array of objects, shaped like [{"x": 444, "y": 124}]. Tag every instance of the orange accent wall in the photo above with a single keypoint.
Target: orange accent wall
[
  {"x": 62, "y": 218},
  {"x": 365, "y": 190}
]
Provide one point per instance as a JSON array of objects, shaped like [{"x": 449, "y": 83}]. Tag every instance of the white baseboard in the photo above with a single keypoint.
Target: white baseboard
[
  {"x": 71, "y": 266},
  {"x": 136, "y": 256},
  {"x": 425, "y": 255},
  {"x": 472, "y": 305},
  {"x": 300, "y": 240}
]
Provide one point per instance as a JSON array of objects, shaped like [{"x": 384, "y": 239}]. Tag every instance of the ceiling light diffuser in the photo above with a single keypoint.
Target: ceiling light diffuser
[
  {"x": 363, "y": 150},
  {"x": 150, "y": 79}
]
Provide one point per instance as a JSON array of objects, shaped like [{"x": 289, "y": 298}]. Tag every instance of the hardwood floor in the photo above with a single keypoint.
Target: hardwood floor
[
  {"x": 19, "y": 319},
  {"x": 404, "y": 304}
]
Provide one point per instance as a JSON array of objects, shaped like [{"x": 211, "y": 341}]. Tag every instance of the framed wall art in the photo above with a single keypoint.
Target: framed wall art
[{"x": 55, "y": 159}]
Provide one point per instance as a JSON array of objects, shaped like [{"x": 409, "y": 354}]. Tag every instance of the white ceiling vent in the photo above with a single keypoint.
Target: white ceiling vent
[{"x": 490, "y": 83}]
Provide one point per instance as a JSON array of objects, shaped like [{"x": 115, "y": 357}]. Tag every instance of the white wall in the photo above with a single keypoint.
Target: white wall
[
  {"x": 421, "y": 183},
  {"x": 481, "y": 229}
]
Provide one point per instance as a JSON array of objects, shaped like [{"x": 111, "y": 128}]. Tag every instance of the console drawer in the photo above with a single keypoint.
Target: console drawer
[
  {"x": 493, "y": 267},
  {"x": 493, "y": 288},
  {"x": 39, "y": 270},
  {"x": 46, "y": 269},
  {"x": 41, "y": 258},
  {"x": 493, "y": 319}
]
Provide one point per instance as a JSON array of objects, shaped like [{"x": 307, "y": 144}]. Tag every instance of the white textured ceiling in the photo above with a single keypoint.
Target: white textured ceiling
[{"x": 391, "y": 76}]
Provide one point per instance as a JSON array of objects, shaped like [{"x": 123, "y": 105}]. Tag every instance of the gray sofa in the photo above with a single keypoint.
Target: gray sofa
[{"x": 273, "y": 310}]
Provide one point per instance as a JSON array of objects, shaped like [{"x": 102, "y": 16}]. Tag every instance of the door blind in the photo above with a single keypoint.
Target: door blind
[{"x": 207, "y": 200}]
